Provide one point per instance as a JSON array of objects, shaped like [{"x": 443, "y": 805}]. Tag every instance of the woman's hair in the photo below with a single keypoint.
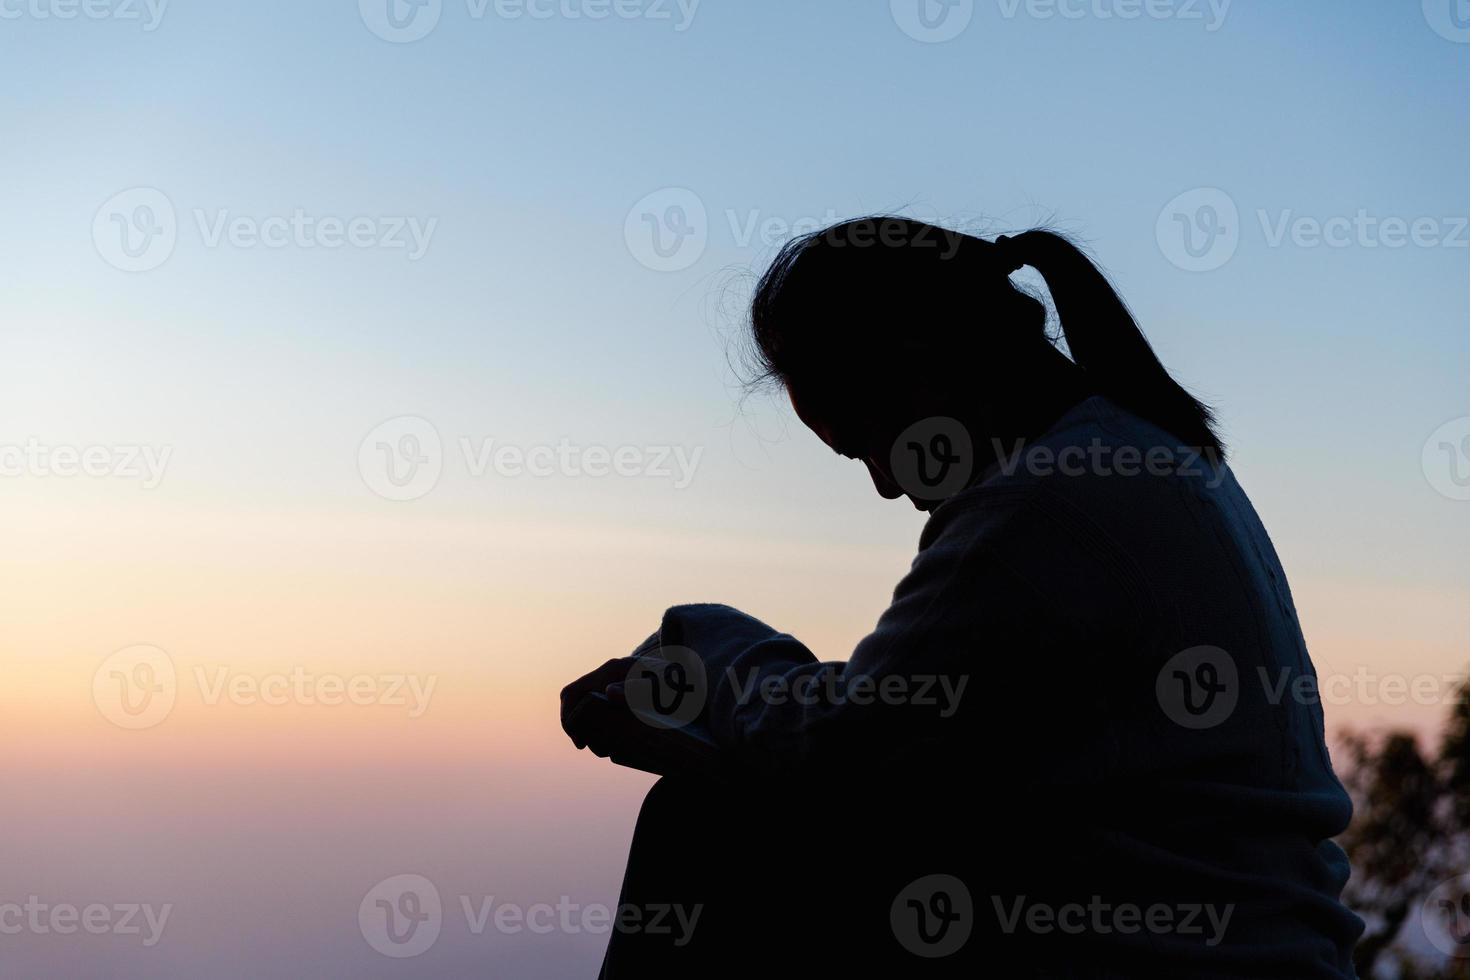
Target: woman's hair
[{"x": 867, "y": 298}]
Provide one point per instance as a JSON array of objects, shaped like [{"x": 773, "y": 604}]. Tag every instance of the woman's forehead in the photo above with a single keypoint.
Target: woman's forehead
[{"x": 818, "y": 422}]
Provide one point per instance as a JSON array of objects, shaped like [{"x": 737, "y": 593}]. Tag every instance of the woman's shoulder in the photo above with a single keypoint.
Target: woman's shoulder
[
  {"x": 1099, "y": 489},
  {"x": 1099, "y": 458}
]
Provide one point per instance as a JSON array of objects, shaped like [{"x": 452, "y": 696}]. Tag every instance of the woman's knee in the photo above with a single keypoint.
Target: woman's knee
[{"x": 670, "y": 795}]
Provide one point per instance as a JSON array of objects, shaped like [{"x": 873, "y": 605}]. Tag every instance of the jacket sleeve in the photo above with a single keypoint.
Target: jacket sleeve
[{"x": 968, "y": 643}]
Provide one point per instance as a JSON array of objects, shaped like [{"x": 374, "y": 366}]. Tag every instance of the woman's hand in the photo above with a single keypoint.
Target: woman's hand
[
  {"x": 606, "y": 680},
  {"x": 596, "y": 715}
]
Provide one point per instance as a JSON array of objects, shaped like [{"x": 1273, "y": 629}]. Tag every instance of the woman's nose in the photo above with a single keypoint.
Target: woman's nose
[{"x": 884, "y": 484}]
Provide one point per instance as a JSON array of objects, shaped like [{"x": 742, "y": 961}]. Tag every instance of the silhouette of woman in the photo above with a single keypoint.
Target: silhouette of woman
[{"x": 1083, "y": 741}]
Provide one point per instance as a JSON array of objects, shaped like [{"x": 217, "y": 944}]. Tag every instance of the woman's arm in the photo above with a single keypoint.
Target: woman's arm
[{"x": 999, "y": 618}]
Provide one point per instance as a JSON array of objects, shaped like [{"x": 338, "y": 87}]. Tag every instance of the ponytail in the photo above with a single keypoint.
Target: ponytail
[
  {"x": 1105, "y": 340},
  {"x": 825, "y": 312}
]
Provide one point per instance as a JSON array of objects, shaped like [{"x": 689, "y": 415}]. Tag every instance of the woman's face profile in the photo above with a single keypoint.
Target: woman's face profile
[{"x": 856, "y": 437}]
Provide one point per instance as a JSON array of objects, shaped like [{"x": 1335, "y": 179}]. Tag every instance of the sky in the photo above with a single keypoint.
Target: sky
[{"x": 365, "y": 375}]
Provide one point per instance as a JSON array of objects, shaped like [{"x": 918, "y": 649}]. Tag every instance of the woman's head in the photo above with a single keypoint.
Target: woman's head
[{"x": 874, "y": 324}]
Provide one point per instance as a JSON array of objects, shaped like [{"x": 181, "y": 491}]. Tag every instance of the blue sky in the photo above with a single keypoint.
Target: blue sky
[{"x": 529, "y": 319}]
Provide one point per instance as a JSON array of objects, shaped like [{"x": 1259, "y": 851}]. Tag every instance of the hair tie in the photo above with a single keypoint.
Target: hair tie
[{"x": 1009, "y": 260}]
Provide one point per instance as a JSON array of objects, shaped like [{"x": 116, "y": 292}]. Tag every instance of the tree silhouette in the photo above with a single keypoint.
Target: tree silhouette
[{"x": 1410, "y": 833}]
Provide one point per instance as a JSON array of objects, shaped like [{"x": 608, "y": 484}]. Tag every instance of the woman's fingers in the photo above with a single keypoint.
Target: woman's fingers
[{"x": 596, "y": 682}]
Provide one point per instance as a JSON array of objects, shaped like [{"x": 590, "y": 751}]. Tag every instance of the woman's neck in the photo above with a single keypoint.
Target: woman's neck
[{"x": 1033, "y": 399}]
